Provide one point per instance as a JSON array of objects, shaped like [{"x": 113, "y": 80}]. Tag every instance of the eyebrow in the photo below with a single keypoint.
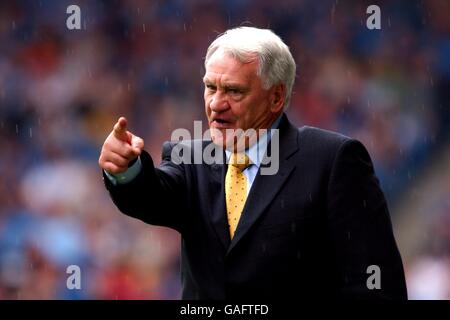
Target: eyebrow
[{"x": 225, "y": 84}]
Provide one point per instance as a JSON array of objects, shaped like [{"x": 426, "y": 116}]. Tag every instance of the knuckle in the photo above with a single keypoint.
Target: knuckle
[
  {"x": 104, "y": 155},
  {"x": 107, "y": 144}
]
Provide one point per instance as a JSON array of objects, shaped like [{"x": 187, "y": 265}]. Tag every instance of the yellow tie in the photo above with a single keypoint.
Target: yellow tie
[{"x": 236, "y": 189}]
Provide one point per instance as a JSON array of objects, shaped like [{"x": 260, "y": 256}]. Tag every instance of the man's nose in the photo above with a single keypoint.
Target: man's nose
[{"x": 219, "y": 102}]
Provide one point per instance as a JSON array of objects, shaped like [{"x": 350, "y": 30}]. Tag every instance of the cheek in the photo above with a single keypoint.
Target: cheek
[
  {"x": 238, "y": 109},
  {"x": 245, "y": 110},
  {"x": 207, "y": 108},
  {"x": 252, "y": 114}
]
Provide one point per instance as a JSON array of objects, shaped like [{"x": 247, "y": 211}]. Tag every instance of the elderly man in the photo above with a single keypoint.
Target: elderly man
[{"x": 317, "y": 227}]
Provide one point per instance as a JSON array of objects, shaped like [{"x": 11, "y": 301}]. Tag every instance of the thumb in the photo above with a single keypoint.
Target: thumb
[
  {"x": 137, "y": 143},
  {"x": 120, "y": 130}
]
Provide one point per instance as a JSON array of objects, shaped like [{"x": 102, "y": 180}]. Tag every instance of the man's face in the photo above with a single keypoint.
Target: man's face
[{"x": 235, "y": 97}]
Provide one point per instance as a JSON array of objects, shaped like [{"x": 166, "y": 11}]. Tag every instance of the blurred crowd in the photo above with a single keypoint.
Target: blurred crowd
[{"x": 62, "y": 90}]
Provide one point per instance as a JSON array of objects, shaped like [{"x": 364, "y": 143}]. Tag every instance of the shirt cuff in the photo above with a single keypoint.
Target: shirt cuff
[{"x": 126, "y": 176}]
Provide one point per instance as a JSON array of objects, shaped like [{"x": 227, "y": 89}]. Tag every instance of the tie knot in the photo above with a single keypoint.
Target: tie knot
[{"x": 240, "y": 161}]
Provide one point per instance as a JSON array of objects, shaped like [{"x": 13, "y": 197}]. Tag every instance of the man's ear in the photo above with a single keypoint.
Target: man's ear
[{"x": 277, "y": 97}]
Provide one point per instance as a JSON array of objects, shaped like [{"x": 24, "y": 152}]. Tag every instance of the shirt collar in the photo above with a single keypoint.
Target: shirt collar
[{"x": 257, "y": 151}]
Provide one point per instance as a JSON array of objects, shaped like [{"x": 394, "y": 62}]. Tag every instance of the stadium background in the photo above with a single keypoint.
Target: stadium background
[{"x": 62, "y": 90}]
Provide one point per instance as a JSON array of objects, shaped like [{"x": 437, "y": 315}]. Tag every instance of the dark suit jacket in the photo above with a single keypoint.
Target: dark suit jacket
[{"x": 310, "y": 231}]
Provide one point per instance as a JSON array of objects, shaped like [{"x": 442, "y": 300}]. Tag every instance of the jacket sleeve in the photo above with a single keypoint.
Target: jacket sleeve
[
  {"x": 156, "y": 196},
  {"x": 360, "y": 229}
]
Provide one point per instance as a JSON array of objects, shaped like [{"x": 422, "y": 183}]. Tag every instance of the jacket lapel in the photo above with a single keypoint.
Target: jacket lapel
[
  {"x": 266, "y": 187},
  {"x": 218, "y": 209}
]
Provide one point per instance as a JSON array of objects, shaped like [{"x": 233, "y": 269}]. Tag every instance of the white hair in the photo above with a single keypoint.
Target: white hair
[{"x": 276, "y": 64}]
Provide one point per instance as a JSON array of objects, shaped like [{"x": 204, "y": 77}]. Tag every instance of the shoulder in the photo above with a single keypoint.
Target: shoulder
[
  {"x": 320, "y": 144},
  {"x": 320, "y": 141},
  {"x": 186, "y": 144},
  {"x": 317, "y": 135}
]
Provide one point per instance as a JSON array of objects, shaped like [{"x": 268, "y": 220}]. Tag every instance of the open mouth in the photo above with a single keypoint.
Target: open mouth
[
  {"x": 221, "y": 124},
  {"x": 221, "y": 121}
]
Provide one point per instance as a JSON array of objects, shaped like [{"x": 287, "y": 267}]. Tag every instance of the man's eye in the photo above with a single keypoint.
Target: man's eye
[
  {"x": 210, "y": 87},
  {"x": 234, "y": 90}
]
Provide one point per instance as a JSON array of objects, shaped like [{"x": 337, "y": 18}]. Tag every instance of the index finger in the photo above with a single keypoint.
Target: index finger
[{"x": 120, "y": 129}]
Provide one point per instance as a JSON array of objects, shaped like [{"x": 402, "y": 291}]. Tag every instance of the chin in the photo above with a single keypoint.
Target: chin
[{"x": 217, "y": 136}]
